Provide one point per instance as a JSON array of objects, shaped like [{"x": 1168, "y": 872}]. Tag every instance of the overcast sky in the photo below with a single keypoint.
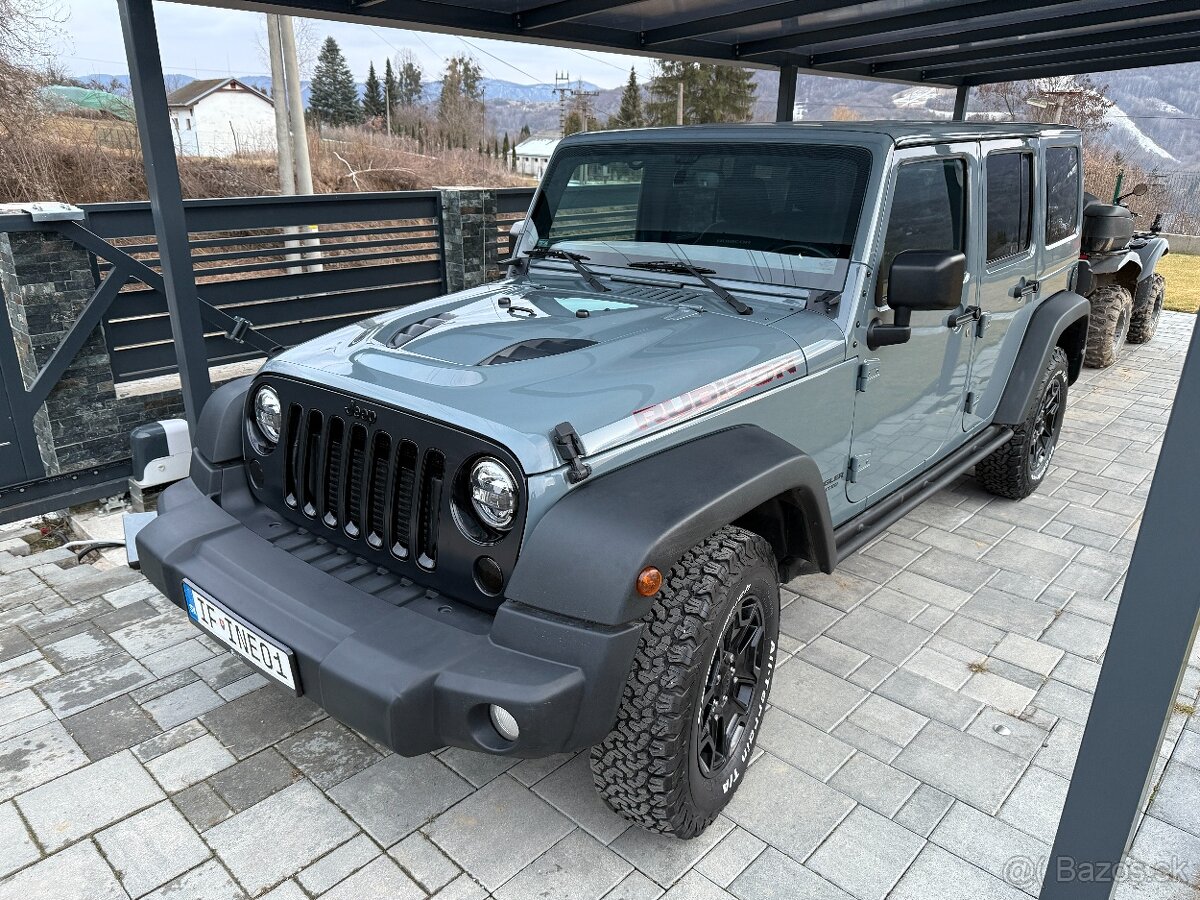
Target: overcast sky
[{"x": 210, "y": 43}]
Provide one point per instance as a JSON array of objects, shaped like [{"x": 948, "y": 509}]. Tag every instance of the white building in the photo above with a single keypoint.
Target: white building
[
  {"x": 221, "y": 117},
  {"x": 533, "y": 154}
]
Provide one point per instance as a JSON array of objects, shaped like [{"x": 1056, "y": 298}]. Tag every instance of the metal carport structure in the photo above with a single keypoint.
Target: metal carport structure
[{"x": 946, "y": 43}]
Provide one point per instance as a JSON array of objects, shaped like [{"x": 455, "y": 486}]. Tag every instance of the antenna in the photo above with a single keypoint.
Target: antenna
[{"x": 573, "y": 98}]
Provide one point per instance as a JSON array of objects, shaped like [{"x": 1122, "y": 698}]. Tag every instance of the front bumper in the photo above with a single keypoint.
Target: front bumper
[{"x": 414, "y": 677}]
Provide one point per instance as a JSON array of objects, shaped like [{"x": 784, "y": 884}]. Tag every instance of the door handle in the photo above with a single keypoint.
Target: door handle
[
  {"x": 1025, "y": 288},
  {"x": 957, "y": 320}
]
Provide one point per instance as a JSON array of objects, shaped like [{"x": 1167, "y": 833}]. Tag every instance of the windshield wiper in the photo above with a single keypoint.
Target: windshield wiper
[
  {"x": 679, "y": 267},
  {"x": 577, "y": 260}
]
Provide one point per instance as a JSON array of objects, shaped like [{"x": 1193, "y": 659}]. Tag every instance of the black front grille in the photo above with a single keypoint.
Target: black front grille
[
  {"x": 338, "y": 477},
  {"x": 383, "y": 484}
]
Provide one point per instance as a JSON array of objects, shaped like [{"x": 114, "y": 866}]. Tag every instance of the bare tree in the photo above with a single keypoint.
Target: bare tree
[{"x": 1069, "y": 100}]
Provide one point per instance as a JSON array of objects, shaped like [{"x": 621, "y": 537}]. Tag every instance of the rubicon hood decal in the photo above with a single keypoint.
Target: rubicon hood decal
[{"x": 696, "y": 401}]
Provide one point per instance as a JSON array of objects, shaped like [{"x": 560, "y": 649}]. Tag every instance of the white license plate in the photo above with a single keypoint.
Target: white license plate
[{"x": 272, "y": 659}]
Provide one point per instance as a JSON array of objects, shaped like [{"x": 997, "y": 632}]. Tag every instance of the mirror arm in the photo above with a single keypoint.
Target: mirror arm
[{"x": 883, "y": 335}]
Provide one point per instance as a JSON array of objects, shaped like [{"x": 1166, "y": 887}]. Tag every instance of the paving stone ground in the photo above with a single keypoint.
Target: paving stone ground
[{"x": 928, "y": 707}]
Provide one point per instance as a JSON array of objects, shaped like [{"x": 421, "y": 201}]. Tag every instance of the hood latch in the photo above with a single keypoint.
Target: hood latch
[{"x": 569, "y": 446}]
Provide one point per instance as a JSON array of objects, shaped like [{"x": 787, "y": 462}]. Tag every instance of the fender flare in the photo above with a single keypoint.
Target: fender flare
[
  {"x": 1150, "y": 253},
  {"x": 1109, "y": 264},
  {"x": 584, "y": 555},
  {"x": 218, "y": 435},
  {"x": 1061, "y": 320}
]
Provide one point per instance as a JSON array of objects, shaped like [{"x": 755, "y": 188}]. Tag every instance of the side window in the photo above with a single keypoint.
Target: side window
[
  {"x": 928, "y": 211},
  {"x": 1062, "y": 192},
  {"x": 1009, "y": 203}
]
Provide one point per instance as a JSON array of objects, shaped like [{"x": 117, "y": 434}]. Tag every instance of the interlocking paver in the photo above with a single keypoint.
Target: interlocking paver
[
  {"x": 250, "y": 843},
  {"x": 578, "y": 867},
  {"x": 190, "y": 763},
  {"x": 774, "y": 876},
  {"x": 88, "y": 799},
  {"x": 396, "y": 795},
  {"x": 36, "y": 757},
  {"x": 338, "y": 864},
  {"x": 961, "y": 765},
  {"x": 477, "y": 832},
  {"x": 17, "y": 848},
  {"x": 209, "y": 881},
  {"x": 77, "y": 873},
  {"x": 151, "y": 848},
  {"x": 866, "y": 854}
]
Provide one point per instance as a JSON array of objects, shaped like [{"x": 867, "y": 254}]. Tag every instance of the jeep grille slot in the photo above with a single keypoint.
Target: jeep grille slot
[
  {"x": 308, "y": 462},
  {"x": 430, "y": 506},
  {"x": 402, "y": 503},
  {"x": 378, "y": 492},
  {"x": 333, "y": 468},
  {"x": 354, "y": 483}
]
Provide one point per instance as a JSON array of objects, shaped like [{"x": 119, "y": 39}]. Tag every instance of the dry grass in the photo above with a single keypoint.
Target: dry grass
[{"x": 1183, "y": 281}]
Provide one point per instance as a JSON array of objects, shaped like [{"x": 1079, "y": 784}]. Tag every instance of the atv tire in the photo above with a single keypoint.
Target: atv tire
[
  {"x": 1112, "y": 311},
  {"x": 694, "y": 701},
  {"x": 1016, "y": 469},
  {"x": 1148, "y": 306}
]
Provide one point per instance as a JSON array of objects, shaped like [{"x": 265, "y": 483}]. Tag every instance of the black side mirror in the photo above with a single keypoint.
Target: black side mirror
[{"x": 920, "y": 280}]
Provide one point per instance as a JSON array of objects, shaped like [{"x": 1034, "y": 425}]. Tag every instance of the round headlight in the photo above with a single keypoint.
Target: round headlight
[
  {"x": 268, "y": 414},
  {"x": 493, "y": 493}
]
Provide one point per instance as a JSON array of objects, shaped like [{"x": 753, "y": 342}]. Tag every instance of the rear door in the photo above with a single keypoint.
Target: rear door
[
  {"x": 1008, "y": 286},
  {"x": 910, "y": 401}
]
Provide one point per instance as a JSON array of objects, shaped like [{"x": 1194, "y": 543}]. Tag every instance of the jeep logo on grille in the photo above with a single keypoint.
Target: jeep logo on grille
[{"x": 361, "y": 412}]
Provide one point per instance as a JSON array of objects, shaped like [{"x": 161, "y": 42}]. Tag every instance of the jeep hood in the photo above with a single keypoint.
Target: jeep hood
[{"x": 512, "y": 360}]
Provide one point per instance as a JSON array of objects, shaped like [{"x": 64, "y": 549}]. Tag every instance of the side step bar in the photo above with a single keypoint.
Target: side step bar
[{"x": 854, "y": 534}]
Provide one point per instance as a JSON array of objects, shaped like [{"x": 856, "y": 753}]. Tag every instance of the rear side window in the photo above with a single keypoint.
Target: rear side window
[
  {"x": 1009, "y": 204},
  {"x": 927, "y": 211},
  {"x": 1062, "y": 192}
]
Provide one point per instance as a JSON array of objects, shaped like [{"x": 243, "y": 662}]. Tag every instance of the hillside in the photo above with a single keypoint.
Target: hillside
[{"x": 1154, "y": 121}]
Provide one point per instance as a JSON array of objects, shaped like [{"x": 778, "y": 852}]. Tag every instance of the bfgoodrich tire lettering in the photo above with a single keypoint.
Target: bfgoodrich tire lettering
[
  {"x": 656, "y": 767},
  {"x": 1016, "y": 469}
]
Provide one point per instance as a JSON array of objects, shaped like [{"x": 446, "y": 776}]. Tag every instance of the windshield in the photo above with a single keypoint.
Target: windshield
[{"x": 783, "y": 213}]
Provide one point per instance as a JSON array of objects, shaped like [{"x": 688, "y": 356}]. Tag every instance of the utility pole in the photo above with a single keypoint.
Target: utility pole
[
  {"x": 283, "y": 131},
  {"x": 387, "y": 106},
  {"x": 304, "y": 181},
  {"x": 679, "y": 106}
]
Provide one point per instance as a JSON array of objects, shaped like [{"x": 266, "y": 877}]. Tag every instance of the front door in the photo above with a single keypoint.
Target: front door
[
  {"x": 910, "y": 400},
  {"x": 1008, "y": 287}
]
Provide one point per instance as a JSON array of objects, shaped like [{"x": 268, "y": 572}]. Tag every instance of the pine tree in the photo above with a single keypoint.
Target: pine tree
[
  {"x": 408, "y": 80},
  {"x": 711, "y": 93},
  {"x": 504, "y": 149},
  {"x": 333, "y": 95},
  {"x": 460, "y": 104},
  {"x": 373, "y": 103},
  {"x": 629, "y": 115},
  {"x": 390, "y": 94},
  {"x": 525, "y": 132}
]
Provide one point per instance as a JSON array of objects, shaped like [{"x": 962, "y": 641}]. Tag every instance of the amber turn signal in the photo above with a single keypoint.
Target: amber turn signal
[{"x": 649, "y": 581}]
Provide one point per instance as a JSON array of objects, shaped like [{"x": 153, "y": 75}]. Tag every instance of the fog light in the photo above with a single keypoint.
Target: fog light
[{"x": 504, "y": 723}]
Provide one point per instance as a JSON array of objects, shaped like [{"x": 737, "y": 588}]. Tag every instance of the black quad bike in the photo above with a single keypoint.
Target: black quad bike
[{"x": 1116, "y": 274}]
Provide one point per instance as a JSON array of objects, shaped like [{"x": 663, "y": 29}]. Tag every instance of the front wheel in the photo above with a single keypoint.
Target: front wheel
[
  {"x": 1016, "y": 469},
  {"x": 692, "y": 706},
  {"x": 1151, "y": 294}
]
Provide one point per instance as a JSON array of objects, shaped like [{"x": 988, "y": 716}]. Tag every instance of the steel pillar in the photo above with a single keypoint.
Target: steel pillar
[
  {"x": 166, "y": 201},
  {"x": 1152, "y": 639},
  {"x": 961, "y": 94},
  {"x": 785, "y": 102}
]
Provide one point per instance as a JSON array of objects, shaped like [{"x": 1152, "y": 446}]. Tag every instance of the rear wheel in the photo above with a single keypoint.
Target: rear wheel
[
  {"x": 1151, "y": 295},
  {"x": 1016, "y": 469},
  {"x": 1112, "y": 311},
  {"x": 692, "y": 706}
]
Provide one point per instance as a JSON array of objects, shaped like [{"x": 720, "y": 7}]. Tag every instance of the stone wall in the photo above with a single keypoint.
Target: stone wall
[
  {"x": 46, "y": 281},
  {"x": 469, "y": 236}
]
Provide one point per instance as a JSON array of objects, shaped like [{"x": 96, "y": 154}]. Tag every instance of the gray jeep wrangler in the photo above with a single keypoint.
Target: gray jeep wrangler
[{"x": 554, "y": 512}]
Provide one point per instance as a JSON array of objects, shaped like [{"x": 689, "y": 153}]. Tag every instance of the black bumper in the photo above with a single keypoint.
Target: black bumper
[{"x": 414, "y": 677}]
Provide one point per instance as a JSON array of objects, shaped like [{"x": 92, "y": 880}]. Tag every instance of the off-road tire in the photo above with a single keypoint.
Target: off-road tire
[
  {"x": 1151, "y": 295},
  {"x": 1108, "y": 325},
  {"x": 1016, "y": 469},
  {"x": 648, "y": 768}
]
